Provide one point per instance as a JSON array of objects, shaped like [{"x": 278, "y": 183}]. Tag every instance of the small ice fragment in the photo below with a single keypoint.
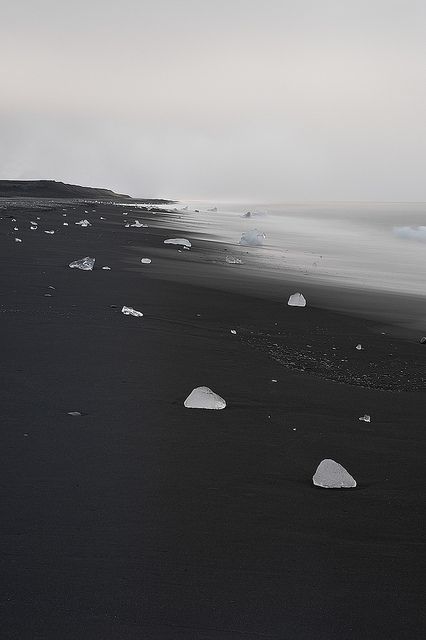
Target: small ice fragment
[
  {"x": 331, "y": 475},
  {"x": 84, "y": 223},
  {"x": 50, "y": 232},
  {"x": 74, "y": 413},
  {"x": 65, "y": 224},
  {"x": 297, "y": 300},
  {"x": 35, "y": 224},
  {"x": 423, "y": 340},
  {"x": 127, "y": 225},
  {"x": 359, "y": 347},
  {"x": 183, "y": 242},
  {"x": 233, "y": 260},
  {"x": 233, "y": 332},
  {"x": 129, "y": 311},
  {"x": 15, "y": 229},
  {"x": 47, "y": 295},
  {"x": 146, "y": 260},
  {"x": 365, "y": 418},
  {"x": 33, "y": 228},
  {"x": 138, "y": 223},
  {"x": 106, "y": 268},
  {"x": 50, "y": 287},
  {"x": 101, "y": 218},
  {"x": 273, "y": 380},
  {"x": 18, "y": 240},
  {"x": 252, "y": 238},
  {"x": 86, "y": 264},
  {"x": 204, "y": 398}
]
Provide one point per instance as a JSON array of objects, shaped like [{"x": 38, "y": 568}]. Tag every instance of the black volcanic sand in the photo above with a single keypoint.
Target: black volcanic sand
[{"x": 143, "y": 519}]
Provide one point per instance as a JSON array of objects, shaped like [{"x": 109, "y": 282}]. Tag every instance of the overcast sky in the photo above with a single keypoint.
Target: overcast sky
[{"x": 263, "y": 100}]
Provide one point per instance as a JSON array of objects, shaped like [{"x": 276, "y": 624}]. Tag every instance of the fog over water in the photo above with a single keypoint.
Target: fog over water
[{"x": 362, "y": 245}]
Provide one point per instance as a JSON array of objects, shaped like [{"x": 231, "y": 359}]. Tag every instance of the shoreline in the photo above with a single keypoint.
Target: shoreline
[{"x": 141, "y": 518}]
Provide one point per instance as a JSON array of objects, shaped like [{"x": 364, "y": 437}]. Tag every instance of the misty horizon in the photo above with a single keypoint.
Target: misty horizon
[{"x": 256, "y": 102}]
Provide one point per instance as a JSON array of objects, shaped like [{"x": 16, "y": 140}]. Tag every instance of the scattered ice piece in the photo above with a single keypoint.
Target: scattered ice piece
[
  {"x": 365, "y": 418},
  {"x": 74, "y": 413},
  {"x": 233, "y": 260},
  {"x": 331, "y": 475},
  {"x": 33, "y": 228},
  {"x": 127, "y": 225},
  {"x": 129, "y": 311},
  {"x": 84, "y": 223},
  {"x": 15, "y": 229},
  {"x": 423, "y": 340},
  {"x": 101, "y": 218},
  {"x": 18, "y": 240},
  {"x": 296, "y": 300},
  {"x": 204, "y": 398},
  {"x": 183, "y": 242},
  {"x": 359, "y": 347},
  {"x": 273, "y": 380},
  {"x": 213, "y": 209},
  {"x": 233, "y": 332},
  {"x": 50, "y": 287},
  {"x": 35, "y": 224},
  {"x": 106, "y": 268},
  {"x": 252, "y": 238},
  {"x": 47, "y": 295},
  {"x": 50, "y": 232},
  {"x": 65, "y": 224},
  {"x": 138, "y": 223},
  {"x": 146, "y": 260},
  {"x": 86, "y": 264}
]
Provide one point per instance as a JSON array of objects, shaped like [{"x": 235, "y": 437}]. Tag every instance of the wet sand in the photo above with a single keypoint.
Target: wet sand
[{"x": 143, "y": 519}]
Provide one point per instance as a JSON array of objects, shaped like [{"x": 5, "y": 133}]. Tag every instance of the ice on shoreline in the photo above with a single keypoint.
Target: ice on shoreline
[
  {"x": 331, "y": 475},
  {"x": 297, "y": 300},
  {"x": 204, "y": 398},
  {"x": 252, "y": 238},
  {"x": 85, "y": 264},
  {"x": 183, "y": 242}
]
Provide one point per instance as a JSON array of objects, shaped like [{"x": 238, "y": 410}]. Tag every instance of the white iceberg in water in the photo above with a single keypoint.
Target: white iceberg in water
[
  {"x": 297, "y": 300},
  {"x": 233, "y": 260},
  {"x": 411, "y": 233},
  {"x": 365, "y": 418},
  {"x": 86, "y": 264},
  {"x": 129, "y": 311},
  {"x": 84, "y": 223},
  {"x": 331, "y": 475},
  {"x": 204, "y": 398},
  {"x": 146, "y": 260},
  {"x": 183, "y": 242},
  {"x": 252, "y": 238}
]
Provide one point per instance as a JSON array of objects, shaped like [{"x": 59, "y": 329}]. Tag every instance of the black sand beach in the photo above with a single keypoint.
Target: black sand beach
[{"x": 143, "y": 519}]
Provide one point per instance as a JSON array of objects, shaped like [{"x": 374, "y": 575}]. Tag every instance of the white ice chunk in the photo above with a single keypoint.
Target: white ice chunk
[
  {"x": 74, "y": 413},
  {"x": 138, "y": 223},
  {"x": 204, "y": 398},
  {"x": 252, "y": 238},
  {"x": 50, "y": 232},
  {"x": 365, "y": 418},
  {"x": 18, "y": 240},
  {"x": 331, "y": 475},
  {"x": 233, "y": 260},
  {"x": 296, "y": 300},
  {"x": 84, "y": 223},
  {"x": 65, "y": 224},
  {"x": 86, "y": 264},
  {"x": 358, "y": 347},
  {"x": 183, "y": 242},
  {"x": 129, "y": 311},
  {"x": 106, "y": 268},
  {"x": 146, "y": 260},
  {"x": 234, "y": 333}
]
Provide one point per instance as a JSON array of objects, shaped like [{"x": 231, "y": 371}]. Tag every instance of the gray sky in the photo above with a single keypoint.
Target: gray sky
[{"x": 266, "y": 100}]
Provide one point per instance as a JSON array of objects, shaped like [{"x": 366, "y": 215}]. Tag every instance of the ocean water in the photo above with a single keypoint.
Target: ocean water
[{"x": 374, "y": 246}]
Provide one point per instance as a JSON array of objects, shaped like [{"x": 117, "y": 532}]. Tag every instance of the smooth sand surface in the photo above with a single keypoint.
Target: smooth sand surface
[{"x": 142, "y": 519}]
